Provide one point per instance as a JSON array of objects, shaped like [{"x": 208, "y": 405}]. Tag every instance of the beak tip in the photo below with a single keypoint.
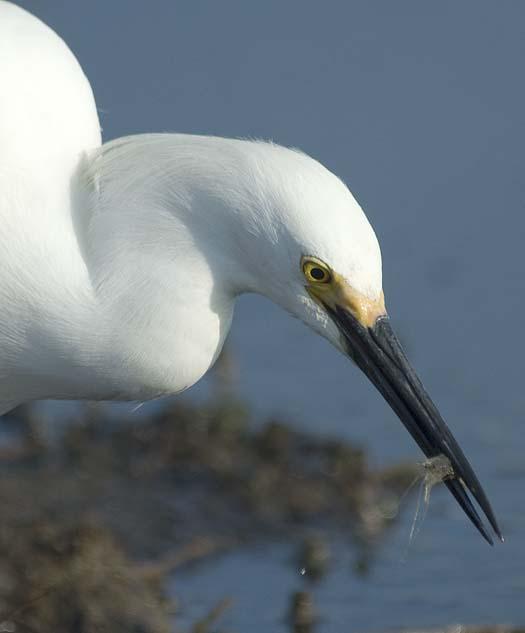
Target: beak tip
[
  {"x": 500, "y": 536},
  {"x": 485, "y": 534},
  {"x": 377, "y": 351}
]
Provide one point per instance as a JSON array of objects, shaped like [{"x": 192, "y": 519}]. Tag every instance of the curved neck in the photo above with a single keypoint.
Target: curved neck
[{"x": 163, "y": 259}]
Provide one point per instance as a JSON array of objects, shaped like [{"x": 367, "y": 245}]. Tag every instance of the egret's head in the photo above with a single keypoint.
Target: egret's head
[
  {"x": 319, "y": 258},
  {"x": 314, "y": 248}
]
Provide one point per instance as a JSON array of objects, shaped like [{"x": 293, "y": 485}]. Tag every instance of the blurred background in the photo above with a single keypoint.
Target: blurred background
[{"x": 418, "y": 107}]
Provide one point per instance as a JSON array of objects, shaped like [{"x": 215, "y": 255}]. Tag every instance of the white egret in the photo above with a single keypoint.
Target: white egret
[{"x": 120, "y": 264}]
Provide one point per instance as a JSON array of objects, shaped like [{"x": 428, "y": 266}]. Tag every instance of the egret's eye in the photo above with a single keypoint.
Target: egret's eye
[{"x": 316, "y": 272}]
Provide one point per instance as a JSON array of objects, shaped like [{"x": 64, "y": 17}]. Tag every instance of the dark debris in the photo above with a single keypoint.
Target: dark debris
[{"x": 94, "y": 520}]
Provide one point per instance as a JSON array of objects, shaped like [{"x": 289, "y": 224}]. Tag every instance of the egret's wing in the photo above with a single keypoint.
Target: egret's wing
[
  {"x": 48, "y": 121},
  {"x": 47, "y": 110}
]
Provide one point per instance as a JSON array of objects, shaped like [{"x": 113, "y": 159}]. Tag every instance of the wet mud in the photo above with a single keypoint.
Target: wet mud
[{"x": 96, "y": 519}]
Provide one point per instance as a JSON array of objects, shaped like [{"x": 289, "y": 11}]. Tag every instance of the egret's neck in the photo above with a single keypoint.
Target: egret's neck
[
  {"x": 164, "y": 259},
  {"x": 139, "y": 291}
]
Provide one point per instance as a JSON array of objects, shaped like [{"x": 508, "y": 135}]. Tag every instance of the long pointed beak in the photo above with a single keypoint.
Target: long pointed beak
[{"x": 378, "y": 353}]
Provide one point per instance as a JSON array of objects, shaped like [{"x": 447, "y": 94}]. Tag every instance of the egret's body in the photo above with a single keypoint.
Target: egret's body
[
  {"x": 120, "y": 264},
  {"x": 47, "y": 119}
]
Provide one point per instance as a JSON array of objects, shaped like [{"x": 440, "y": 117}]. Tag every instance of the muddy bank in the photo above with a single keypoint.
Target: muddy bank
[{"x": 95, "y": 520}]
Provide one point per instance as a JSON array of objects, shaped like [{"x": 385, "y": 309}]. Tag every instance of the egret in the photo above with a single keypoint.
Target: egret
[{"x": 120, "y": 263}]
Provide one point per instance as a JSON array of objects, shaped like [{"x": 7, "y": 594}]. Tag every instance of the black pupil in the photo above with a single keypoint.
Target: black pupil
[{"x": 317, "y": 273}]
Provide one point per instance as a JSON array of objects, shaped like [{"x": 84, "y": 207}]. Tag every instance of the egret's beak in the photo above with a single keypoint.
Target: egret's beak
[{"x": 370, "y": 341}]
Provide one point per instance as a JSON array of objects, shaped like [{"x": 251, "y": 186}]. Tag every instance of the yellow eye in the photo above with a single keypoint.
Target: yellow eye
[{"x": 316, "y": 272}]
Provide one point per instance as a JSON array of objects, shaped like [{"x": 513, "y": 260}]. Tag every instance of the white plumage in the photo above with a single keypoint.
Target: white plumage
[{"x": 119, "y": 267}]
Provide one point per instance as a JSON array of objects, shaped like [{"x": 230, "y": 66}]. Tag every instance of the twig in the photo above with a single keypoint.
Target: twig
[
  {"x": 193, "y": 551},
  {"x": 204, "y": 625}
]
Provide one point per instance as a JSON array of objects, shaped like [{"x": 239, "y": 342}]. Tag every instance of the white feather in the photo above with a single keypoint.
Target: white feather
[{"x": 119, "y": 266}]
